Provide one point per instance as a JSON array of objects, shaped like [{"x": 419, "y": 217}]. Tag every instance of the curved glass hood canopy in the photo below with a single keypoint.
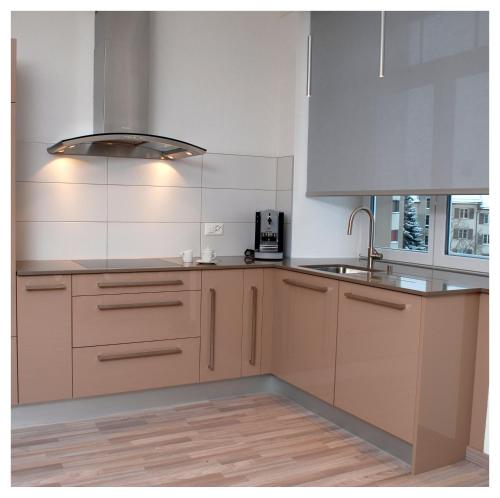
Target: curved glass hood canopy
[
  {"x": 140, "y": 145},
  {"x": 121, "y": 95}
]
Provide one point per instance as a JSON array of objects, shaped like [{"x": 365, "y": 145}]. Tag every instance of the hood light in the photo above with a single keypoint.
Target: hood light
[
  {"x": 170, "y": 157},
  {"x": 189, "y": 153}
]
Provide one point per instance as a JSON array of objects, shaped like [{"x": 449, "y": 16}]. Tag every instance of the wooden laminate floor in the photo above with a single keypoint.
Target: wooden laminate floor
[{"x": 257, "y": 440}]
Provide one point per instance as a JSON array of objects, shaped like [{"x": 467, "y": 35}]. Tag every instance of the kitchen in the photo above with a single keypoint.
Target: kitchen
[{"x": 194, "y": 283}]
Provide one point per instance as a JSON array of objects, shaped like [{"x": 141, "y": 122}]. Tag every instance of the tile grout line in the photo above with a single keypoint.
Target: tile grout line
[{"x": 132, "y": 185}]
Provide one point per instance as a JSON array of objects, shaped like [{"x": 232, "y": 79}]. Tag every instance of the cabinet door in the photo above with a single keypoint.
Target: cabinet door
[
  {"x": 44, "y": 338},
  {"x": 251, "y": 350},
  {"x": 423, "y": 127},
  {"x": 13, "y": 370},
  {"x": 305, "y": 328},
  {"x": 221, "y": 324},
  {"x": 377, "y": 350}
]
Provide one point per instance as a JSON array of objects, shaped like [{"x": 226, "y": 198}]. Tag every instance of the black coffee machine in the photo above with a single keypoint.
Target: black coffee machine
[{"x": 269, "y": 234}]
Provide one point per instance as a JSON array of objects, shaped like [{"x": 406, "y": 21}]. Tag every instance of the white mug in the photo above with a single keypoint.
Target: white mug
[
  {"x": 187, "y": 256},
  {"x": 207, "y": 255}
]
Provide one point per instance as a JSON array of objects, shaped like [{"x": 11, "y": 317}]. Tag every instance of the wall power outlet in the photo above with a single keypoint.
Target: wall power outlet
[{"x": 214, "y": 228}]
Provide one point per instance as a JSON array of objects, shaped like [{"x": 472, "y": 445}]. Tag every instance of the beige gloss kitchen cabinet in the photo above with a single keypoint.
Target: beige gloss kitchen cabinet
[
  {"x": 251, "y": 348},
  {"x": 221, "y": 324},
  {"x": 377, "y": 350},
  {"x": 44, "y": 338},
  {"x": 305, "y": 331},
  {"x": 13, "y": 370}
]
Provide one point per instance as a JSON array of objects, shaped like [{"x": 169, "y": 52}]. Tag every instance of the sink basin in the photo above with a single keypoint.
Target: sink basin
[{"x": 344, "y": 269}]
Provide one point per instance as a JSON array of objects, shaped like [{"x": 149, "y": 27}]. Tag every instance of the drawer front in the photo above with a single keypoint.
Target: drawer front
[
  {"x": 44, "y": 338},
  {"x": 132, "y": 283},
  {"x": 132, "y": 367},
  {"x": 13, "y": 370},
  {"x": 122, "y": 318},
  {"x": 377, "y": 351}
]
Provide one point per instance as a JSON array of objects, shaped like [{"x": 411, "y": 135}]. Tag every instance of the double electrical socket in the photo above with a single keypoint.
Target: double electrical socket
[{"x": 214, "y": 228}]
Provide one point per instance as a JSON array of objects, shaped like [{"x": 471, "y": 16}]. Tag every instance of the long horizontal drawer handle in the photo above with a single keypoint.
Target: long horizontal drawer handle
[
  {"x": 43, "y": 287},
  {"x": 125, "y": 306},
  {"x": 138, "y": 354},
  {"x": 317, "y": 288},
  {"x": 146, "y": 283},
  {"x": 378, "y": 302}
]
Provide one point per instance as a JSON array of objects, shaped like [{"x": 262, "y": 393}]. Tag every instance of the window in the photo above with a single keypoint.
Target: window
[
  {"x": 463, "y": 213},
  {"x": 449, "y": 231},
  {"x": 484, "y": 218},
  {"x": 405, "y": 230},
  {"x": 469, "y": 230}
]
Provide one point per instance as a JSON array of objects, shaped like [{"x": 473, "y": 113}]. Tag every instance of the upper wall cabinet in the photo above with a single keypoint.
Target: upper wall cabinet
[{"x": 422, "y": 127}]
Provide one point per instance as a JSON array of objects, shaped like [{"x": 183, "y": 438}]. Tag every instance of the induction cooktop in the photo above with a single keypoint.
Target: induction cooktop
[{"x": 117, "y": 264}]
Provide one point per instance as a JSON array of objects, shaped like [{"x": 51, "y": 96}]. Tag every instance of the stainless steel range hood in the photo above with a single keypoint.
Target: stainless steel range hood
[{"x": 121, "y": 95}]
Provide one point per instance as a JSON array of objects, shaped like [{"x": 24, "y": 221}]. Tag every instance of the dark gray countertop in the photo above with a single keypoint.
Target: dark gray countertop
[{"x": 404, "y": 278}]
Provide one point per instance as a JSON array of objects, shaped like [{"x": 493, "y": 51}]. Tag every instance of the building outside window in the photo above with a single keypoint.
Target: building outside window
[{"x": 469, "y": 224}]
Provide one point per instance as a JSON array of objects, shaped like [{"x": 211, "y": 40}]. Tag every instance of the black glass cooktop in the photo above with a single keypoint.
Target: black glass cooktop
[{"x": 116, "y": 264}]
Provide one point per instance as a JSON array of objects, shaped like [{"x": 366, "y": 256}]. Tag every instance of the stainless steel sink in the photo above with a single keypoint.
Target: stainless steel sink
[{"x": 344, "y": 269}]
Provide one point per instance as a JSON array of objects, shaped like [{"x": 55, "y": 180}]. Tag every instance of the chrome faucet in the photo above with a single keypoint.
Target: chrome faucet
[{"x": 373, "y": 254}]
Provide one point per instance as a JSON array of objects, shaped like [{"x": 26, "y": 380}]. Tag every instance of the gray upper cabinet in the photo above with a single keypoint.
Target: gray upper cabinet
[{"x": 422, "y": 128}]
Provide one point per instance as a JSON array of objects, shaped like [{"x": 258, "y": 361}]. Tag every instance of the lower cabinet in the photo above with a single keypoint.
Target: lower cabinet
[
  {"x": 132, "y": 367},
  {"x": 377, "y": 359},
  {"x": 253, "y": 296},
  {"x": 13, "y": 371},
  {"x": 305, "y": 331},
  {"x": 221, "y": 324},
  {"x": 44, "y": 338}
]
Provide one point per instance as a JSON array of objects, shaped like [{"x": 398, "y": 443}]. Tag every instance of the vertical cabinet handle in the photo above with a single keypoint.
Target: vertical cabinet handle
[
  {"x": 253, "y": 349},
  {"x": 382, "y": 45},
  {"x": 211, "y": 359},
  {"x": 308, "y": 81}
]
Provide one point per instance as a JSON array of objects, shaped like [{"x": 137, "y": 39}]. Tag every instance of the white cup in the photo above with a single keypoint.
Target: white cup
[
  {"x": 187, "y": 256},
  {"x": 207, "y": 255}
]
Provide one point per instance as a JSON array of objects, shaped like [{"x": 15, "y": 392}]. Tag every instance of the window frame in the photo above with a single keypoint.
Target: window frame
[
  {"x": 436, "y": 255},
  {"x": 405, "y": 255},
  {"x": 441, "y": 238}
]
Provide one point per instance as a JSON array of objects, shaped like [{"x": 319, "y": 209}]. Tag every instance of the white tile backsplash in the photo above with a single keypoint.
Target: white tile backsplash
[
  {"x": 237, "y": 237},
  {"x": 60, "y": 202},
  {"x": 284, "y": 176},
  {"x": 180, "y": 173},
  {"x": 150, "y": 240},
  {"x": 284, "y": 203},
  {"x": 154, "y": 204},
  {"x": 60, "y": 240},
  {"x": 239, "y": 172},
  {"x": 92, "y": 207},
  {"x": 35, "y": 164},
  {"x": 228, "y": 205}
]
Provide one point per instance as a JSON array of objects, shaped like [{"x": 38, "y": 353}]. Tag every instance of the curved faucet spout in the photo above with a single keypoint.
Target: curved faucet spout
[{"x": 372, "y": 252}]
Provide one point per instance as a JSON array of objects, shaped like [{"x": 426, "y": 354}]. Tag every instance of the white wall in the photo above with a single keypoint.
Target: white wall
[
  {"x": 319, "y": 224},
  {"x": 214, "y": 79},
  {"x": 217, "y": 81}
]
